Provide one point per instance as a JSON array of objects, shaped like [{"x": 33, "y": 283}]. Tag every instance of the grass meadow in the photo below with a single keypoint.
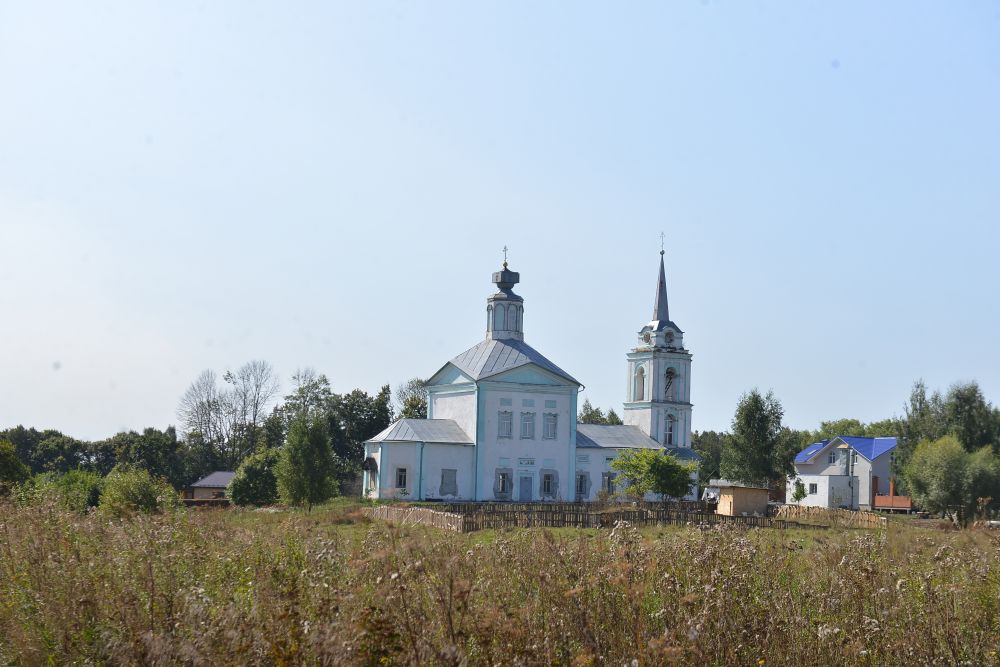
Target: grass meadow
[{"x": 330, "y": 587}]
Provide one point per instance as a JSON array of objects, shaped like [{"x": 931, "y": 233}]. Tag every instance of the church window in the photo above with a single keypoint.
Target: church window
[
  {"x": 669, "y": 388},
  {"x": 640, "y": 385},
  {"x": 549, "y": 426},
  {"x": 449, "y": 482},
  {"x": 671, "y": 423},
  {"x": 550, "y": 405},
  {"x": 527, "y": 402},
  {"x": 501, "y": 318},
  {"x": 527, "y": 425},
  {"x": 400, "y": 478},
  {"x": 547, "y": 485},
  {"x": 608, "y": 482},
  {"x": 489, "y": 318},
  {"x": 505, "y": 424}
]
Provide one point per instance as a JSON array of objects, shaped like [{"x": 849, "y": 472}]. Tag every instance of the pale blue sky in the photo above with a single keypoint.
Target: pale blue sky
[{"x": 190, "y": 185}]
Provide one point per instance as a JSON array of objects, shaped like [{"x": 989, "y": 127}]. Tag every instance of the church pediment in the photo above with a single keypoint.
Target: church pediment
[
  {"x": 449, "y": 374},
  {"x": 530, "y": 374}
]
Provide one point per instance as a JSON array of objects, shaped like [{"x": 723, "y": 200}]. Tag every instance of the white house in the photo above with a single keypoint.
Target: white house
[
  {"x": 844, "y": 471},
  {"x": 502, "y": 418}
]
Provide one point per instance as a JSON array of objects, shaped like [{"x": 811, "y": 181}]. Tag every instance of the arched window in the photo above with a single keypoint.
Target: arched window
[
  {"x": 489, "y": 318},
  {"x": 668, "y": 438},
  {"x": 500, "y": 323},
  {"x": 639, "y": 392}
]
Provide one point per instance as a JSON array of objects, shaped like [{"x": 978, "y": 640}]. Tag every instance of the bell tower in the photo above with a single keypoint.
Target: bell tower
[{"x": 658, "y": 395}]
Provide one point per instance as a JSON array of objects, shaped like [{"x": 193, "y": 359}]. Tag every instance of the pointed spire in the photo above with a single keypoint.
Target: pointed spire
[{"x": 661, "y": 312}]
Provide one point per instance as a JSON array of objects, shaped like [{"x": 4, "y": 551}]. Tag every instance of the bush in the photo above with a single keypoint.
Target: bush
[
  {"x": 77, "y": 490},
  {"x": 255, "y": 482},
  {"x": 131, "y": 490},
  {"x": 12, "y": 471}
]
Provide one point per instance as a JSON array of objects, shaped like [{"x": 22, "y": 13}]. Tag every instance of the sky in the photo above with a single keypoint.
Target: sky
[{"x": 192, "y": 185}]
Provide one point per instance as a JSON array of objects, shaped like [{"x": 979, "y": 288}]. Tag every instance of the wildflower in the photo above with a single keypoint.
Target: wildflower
[{"x": 762, "y": 661}]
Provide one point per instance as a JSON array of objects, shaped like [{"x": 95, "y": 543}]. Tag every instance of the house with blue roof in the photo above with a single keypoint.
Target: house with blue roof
[
  {"x": 501, "y": 417},
  {"x": 844, "y": 472}
]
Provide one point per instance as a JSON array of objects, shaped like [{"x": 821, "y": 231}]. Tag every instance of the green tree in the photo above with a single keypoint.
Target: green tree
[
  {"x": 652, "y": 471},
  {"x": 198, "y": 458},
  {"x": 157, "y": 452},
  {"x": 613, "y": 419},
  {"x": 410, "y": 400},
  {"x": 353, "y": 418},
  {"x": 255, "y": 481},
  {"x": 970, "y": 417},
  {"x": 12, "y": 471},
  {"x": 311, "y": 396},
  {"x": 590, "y": 415},
  {"x": 415, "y": 407},
  {"x": 709, "y": 445},
  {"x": 799, "y": 494},
  {"x": 936, "y": 475},
  {"x": 923, "y": 419},
  {"x": 752, "y": 453},
  {"x": 671, "y": 478},
  {"x": 982, "y": 476},
  {"x": 58, "y": 453},
  {"x": 305, "y": 467}
]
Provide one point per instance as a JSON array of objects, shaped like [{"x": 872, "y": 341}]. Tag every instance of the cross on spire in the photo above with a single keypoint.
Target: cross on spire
[
  {"x": 505, "y": 257},
  {"x": 662, "y": 236}
]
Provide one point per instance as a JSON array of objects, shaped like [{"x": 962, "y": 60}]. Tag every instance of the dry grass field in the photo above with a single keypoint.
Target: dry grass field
[{"x": 330, "y": 587}]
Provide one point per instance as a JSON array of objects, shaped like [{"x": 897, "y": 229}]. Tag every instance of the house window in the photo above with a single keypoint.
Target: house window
[
  {"x": 505, "y": 424},
  {"x": 831, "y": 457},
  {"x": 669, "y": 437},
  {"x": 549, "y": 431},
  {"x": 503, "y": 482},
  {"x": 640, "y": 385},
  {"x": 581, "y": 485},
  {"x": 547, "y": 484},
  {"x": 527, "y": 425},
  {"x": 449, "y": 482},
  {"x": 854, "y": 458},
  {"x": 813, "y": 490},
  {"x": 400, "y": 478}
]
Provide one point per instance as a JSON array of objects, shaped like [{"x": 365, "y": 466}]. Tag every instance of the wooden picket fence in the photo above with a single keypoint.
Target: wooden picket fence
[
  {"x": 422, "y": 516},
  {"x": 575, "y": 516},
  {"x": 832, "y": 517}
]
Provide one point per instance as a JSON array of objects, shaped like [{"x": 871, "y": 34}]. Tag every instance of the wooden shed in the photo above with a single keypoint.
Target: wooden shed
[{"x": 739, "y": 499}]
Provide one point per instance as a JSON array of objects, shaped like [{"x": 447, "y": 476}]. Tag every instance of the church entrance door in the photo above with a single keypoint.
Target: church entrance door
[{"x": 525, "y": 495}]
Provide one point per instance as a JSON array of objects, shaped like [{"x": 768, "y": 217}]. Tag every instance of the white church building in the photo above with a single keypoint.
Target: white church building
[{"x": 502, "y": 419}]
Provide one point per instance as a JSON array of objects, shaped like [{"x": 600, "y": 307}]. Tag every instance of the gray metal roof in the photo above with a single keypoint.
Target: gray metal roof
[
  {"x": 444, "y": 431},
  {"x": 661, "y": 310},
  {"x": 613, "y": 437},
  {"x": 492, "y": 357},
  {"x": 684, "y": 453},
  {"x": 217, "y": 480}
]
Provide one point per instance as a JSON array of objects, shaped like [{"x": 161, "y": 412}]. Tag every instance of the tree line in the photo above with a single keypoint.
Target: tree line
[
  {"x": 947, "y": 455},
  {"x": 224, "y": 421}
]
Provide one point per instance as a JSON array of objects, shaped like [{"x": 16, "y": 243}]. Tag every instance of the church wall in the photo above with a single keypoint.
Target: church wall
[
  {"x": 525, "y": 457},
  {"x": 423, "y": 464},
  {"x": 460, "y": 458},
  {"x": 458, "y": 405}
]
